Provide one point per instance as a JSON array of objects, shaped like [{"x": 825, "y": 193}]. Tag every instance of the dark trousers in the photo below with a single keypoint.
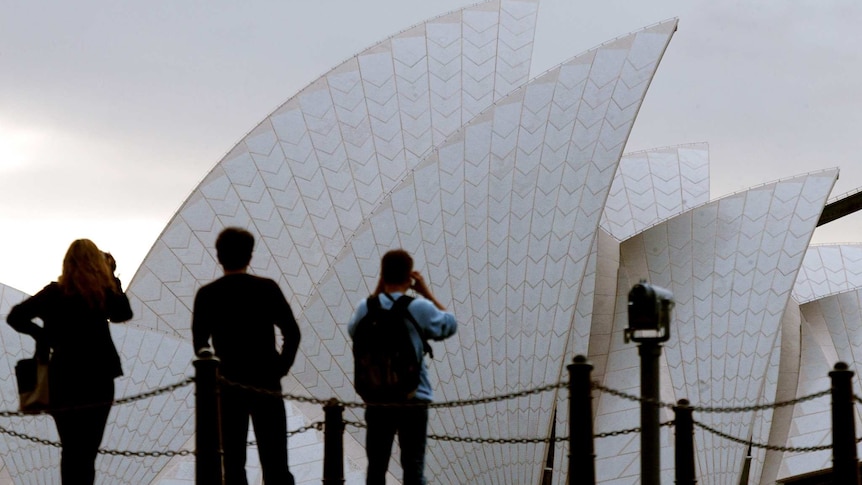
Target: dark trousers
[
  {"x": 81, "y": 429},
  {"x": 411, "y": 426},
  {"x": 270, "y": 429}
]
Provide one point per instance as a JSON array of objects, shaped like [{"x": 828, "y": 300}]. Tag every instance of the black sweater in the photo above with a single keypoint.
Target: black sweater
[
  {"x": 76, "y": 333},
  {"x": 240, "y": 312}
]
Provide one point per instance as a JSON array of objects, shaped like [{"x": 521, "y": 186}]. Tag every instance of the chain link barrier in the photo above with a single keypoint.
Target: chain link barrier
[
  {"x": 319, "y": 425},
  {"x": 804, "y": 449},
  {"x": 431, "y": 405},
  {"x": 56, "y": 444},
  {"x": 801, "y": 449},
  {"x": 560, "y": 385},
  {"x": 125, "y": 400},
  {"x": 155, "y": 392},
  {"x": 559, "y": 439},
  {"x": 738, "y": 409},
  {"x": 712, "y": 409}
]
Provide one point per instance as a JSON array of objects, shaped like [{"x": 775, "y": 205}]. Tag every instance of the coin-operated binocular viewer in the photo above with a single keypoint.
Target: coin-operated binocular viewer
[
  {"x": 649, "y": 313},
  {"x": 649, "y": 325}
]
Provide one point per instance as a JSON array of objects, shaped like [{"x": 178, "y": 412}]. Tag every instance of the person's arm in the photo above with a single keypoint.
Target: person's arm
[
  {"x": 290, "y": 334},
  {"x": 422, "y": 289},
  {"x": 21, "y": 316},
  {"x": 436, "y": 324},
  {"x": 119, "y": 309},
  {"x": 200, "y": 323}
]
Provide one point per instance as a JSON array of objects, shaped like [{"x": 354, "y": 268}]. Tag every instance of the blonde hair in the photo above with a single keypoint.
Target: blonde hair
[{"x": 86, "y": 273}]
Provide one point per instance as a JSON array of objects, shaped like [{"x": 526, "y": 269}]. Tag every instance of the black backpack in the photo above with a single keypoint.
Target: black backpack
[{"x": 386, "y": 368}]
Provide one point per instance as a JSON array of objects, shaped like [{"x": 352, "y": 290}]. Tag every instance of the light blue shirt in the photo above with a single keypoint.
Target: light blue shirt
[{"x": 435, "y": 323}]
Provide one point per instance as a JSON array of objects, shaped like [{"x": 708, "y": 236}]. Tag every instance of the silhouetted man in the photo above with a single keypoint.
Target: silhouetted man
[{"x": 240, "y": 312}]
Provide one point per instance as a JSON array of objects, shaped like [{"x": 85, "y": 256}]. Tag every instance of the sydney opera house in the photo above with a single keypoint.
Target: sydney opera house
[{"x": 514, "y": 192}]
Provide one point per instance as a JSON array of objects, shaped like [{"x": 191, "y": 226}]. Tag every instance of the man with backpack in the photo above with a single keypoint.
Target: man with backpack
[{"x": 390, "y": 332}]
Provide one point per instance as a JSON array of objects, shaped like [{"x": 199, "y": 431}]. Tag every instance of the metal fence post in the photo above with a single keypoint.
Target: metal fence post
[
  {"x": 650, "y": 352},
  {"x": 684, "y": 443},
  {"x": 208, "y": 464},
  {"x": 333, "y": 443},
  {"x": 845, "y": 469},
  {"x": 582, "y": 468}
]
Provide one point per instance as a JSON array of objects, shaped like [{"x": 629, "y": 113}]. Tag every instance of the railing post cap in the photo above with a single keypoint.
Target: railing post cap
[
  {"x": 205, "y": 353},
  {"x": 580, "y": 363},
  {"x": 683, "y": 402},
  {"x": 841, "y": 366}
]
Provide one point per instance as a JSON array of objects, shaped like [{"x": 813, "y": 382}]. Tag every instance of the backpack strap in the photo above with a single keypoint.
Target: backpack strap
[
  {"x": 400, "y": 305},
  {"x": 372, "y": 303}
]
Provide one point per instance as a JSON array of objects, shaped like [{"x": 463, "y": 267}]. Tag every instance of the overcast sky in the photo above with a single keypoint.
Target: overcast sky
[{"x": 112, "y": 112}]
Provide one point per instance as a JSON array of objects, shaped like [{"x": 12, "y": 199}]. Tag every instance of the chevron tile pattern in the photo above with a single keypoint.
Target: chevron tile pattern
[
  {"x": 649, "y": 186},
  {"x": 553, "y": 144},
  {"x": 529, "y": 223},
  {"x": 832, "y": 334},
  {"x": 653, "y": 185},
  {"x": 165, "y": 422},
  {"x": 308, "y": 175},
  {"x": 731, "y": 265},
  {"x": 150, "y": 360},
  {"x": 811, "y": 423},
  {"x": 24, "y": 460},
  {"x": 828, "y": 269},
  {"x": 312, "y": 173},
  {"x": 501, "y": 217}
]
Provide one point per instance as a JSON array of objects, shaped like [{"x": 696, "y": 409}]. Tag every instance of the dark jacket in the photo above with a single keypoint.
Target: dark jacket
[
  {"x": 240, "y": 313},
  {"x": 76, "y": 334}
]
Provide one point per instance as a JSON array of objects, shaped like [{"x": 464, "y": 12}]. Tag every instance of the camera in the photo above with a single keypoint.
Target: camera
[{"x": 649, "y": 313}]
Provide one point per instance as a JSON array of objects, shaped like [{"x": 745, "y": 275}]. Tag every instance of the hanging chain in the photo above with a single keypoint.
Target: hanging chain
[
  {"x": 559, "y": 439},
  {"x": 155, "y": 392},
  {"x": 125, "y": 400},
  {"x": 319, "y": 425},
  {"x": 712, "y": 409},
  {"x": 431, "y": 405},
  {"x": 501, "y": 397},
  {"x": 760, "y": 407},
  {"x": 741, "y": 441}
]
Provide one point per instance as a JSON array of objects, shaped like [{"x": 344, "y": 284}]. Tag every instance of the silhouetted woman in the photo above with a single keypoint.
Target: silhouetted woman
[{"x": 83, "y": 359}]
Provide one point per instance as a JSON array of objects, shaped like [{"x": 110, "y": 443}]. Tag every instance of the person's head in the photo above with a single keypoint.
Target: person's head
[
  {"x": 395, "y": 267},
  {"x": 86, "y": 272},
  {"x": 233, "y": 248}
]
